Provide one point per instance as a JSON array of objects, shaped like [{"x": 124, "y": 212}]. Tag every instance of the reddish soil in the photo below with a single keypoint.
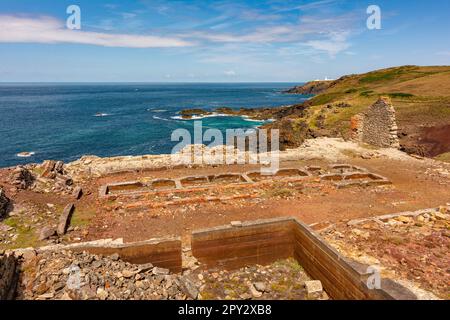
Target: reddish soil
[
  {"x": 436, "y": 139},
  {"x": 311, "y": 201}
]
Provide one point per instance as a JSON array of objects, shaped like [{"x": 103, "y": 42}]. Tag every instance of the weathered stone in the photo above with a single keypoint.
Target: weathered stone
[
  {"x": 64, "y": 220},
  {"x": 160, "y": 271},
  {"x": 114, "y": 257},
  {"x": 313, "y": 288},
  {"x": 59, "y": 166},
  {"x": 102, "y": 294},
  {"x": 4, "y": 203},
  {"x": 260, "y": 286},
  {"x": 46, "y": 233},
  {"x": 21, "y": 178},
  {"x": 404, "y": 219},
  {"x": 255, "y": 293},
  {"x": 77, "y": 193},
  {"x": 188, "y": 287},
  {"x": 145, "y": 267},
  {"x": 128, "y": 273}
]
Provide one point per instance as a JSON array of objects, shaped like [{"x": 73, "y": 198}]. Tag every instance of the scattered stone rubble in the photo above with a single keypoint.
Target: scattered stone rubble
[
  {"x": 410, "y": 246},
  {"x": 284, "y": 279},
  {"x": 65, "y": 275},
  {"x": 54, "y": 178}
]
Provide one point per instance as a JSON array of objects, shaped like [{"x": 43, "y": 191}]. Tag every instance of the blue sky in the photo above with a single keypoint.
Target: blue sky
[{"x": 216, "y": 41}]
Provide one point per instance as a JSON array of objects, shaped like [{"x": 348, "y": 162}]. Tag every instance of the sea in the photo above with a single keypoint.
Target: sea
[{"x": 66, "y": 121}]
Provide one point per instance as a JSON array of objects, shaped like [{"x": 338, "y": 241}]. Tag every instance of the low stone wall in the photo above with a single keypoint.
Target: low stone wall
[
  {"x": 265, "y": 241},
  {"x": 9, "y": 274}
]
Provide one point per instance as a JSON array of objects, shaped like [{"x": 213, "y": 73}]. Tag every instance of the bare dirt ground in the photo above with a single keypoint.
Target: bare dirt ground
[
  {"x": 414, "y": 248},
  {"x": 312, "y": 201},
  {"x": 414, "y": 186}
]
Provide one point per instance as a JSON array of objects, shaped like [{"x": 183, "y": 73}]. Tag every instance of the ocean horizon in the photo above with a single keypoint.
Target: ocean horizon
[{"x": 66, "y": 120}]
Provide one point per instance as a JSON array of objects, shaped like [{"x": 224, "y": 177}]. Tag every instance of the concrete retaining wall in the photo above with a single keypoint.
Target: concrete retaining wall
[
  {"x": 164, "y": 252},
  {"x": 266, "y": 241},
  {"x": 252, "y": 243}
]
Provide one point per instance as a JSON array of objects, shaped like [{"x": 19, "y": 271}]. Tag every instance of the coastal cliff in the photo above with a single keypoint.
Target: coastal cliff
[
  {"x": 312, "y": 88},
  {"x": 419, "y": 95}
]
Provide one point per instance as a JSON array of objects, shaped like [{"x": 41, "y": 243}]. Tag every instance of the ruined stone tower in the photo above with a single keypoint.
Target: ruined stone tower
[{"x": 377, "y": 125}]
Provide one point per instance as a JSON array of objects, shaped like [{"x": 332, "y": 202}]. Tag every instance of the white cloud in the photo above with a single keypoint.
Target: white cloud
[
  {"x": 230, "y": 73},
  {"x": 14, "y": 29},
  {"x": 336, "y": 43}
]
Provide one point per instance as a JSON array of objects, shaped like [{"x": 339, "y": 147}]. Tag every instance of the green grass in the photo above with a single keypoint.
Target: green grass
[
  {"x": 325, "y": 98},
  {"x": 26, "y": 236},
  {"x": 445, "y": 157},
  {"x": 367, "y": 93},
  {"x": 388, "y": 75},
  {"x": 400, "y": 95},
  {"x": 81, "y": 218}
]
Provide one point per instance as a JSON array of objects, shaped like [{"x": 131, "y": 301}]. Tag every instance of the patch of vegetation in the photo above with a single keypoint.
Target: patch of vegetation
[
  {"x": 82, "y": 218},
  {"x": 445, "y": 157},
  {"x": 400, "y": 95},
  {"x": 386, "y": 75},
  {"x": 353, "y": 90},
  {"x": 26, "y": 235},
  {"x": 367, "y": 93},
  {"x": 325, "y": 98},
  {"x": 282, "y": 193},
  {"x": 38, "y": 171}
]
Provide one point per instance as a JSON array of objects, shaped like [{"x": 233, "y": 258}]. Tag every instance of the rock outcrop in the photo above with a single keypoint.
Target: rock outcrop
[
  {"x": 54, "y": 178},
  {"x": 313, "y": 87},
  {"x": 8, "y": 276},
  {"x": 21, "y": 178},
  {"x": 377, "y": 125},
  {"x": 4, "y": 203}
]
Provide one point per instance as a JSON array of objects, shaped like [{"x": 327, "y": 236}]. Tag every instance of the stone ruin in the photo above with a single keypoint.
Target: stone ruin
[{"x": 377, "y": 125}]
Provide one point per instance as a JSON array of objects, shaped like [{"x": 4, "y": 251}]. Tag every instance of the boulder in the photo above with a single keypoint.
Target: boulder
[
  {"x": 77, "y": 193},
  {"x": 64, "y": 220},
  {"x": 21, "y": 178},
  {"x": 188, "y": 287},
  {"x": 46, "y": 233}
]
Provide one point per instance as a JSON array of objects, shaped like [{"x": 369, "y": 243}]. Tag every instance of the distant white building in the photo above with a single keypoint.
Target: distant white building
[{"x": 326, "y": 79}]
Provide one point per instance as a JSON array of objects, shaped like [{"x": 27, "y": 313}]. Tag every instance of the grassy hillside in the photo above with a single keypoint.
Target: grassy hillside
[{"x": 420, "y": 95}]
